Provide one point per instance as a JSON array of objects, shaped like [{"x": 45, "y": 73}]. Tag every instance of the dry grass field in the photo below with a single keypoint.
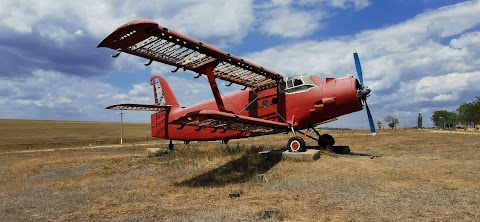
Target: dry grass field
[
  {"x": 42, "y": 134},
  {"x": 403, "y": 175}
]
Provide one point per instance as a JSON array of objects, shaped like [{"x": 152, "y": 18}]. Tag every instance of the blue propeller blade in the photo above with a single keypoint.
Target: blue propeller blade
[
  {"x": 370, "y": 120},
  {"x": 358, "y": 67}
]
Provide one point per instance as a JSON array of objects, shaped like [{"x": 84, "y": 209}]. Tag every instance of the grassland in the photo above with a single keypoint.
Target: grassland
[
  {"x": 43, "y": 134},
  {"x": 403, "y": 175}
]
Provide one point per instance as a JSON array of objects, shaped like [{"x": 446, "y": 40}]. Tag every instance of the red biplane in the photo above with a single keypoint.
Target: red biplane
[{"x": 270, "y": 103}]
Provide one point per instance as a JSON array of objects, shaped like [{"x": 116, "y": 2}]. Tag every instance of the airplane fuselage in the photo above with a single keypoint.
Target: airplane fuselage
[{"x": 300, "y": 107}]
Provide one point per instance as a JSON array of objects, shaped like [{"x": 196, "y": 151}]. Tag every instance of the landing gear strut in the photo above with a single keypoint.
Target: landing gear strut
[
  {"x": 325, "y": 140},
  {"x": 170, "y": 145},
  {"x": 297, "y": 144}
]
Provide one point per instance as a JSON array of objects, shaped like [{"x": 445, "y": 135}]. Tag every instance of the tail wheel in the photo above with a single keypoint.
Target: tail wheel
[
  {"x": 327, "y": 141},
  {"x": 329, "y": 138},
  {"x": 296, "y": 144}
]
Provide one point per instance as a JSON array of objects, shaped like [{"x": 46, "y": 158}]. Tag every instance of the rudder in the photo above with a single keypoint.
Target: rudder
[{"x": 162, "y": 90}]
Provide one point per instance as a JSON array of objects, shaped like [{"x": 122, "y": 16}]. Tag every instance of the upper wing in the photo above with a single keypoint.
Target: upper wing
[
  {"x": 228, "y": 121},
  {"x": 139, "y": 107},
  {"x": 149, "y": 40}
]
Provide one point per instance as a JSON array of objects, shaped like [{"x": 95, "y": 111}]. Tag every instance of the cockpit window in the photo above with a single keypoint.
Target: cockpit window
[
  {"x": 296, "y": 84},
  {"x": 289, "y": 84}
]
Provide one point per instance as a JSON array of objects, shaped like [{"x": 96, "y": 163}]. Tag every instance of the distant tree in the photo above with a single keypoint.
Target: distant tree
[
  {"x": 470, "y": 112},
  {"x": 442, "y": 118},
  {"x": 392, "y": 121},
  {"x": 379, "y": 124}
]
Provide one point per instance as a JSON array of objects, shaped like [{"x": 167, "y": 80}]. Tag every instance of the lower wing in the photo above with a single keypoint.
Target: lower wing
[{"x": 228, "y": 121}]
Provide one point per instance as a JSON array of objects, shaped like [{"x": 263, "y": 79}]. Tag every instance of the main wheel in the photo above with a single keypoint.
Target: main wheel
[{"x": 296, "y": 144}]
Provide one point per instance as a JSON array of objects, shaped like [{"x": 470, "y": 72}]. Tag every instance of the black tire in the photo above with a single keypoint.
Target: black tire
[
  {"x": 329, "y": 138},
  {"x": 296, "y": 144}
]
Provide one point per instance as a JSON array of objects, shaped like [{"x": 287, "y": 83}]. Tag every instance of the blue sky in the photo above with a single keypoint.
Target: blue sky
[{"x": 418, "y": 56}]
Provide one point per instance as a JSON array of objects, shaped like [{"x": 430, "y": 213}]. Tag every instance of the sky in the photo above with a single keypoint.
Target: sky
[{"x": 418, "y": 56}]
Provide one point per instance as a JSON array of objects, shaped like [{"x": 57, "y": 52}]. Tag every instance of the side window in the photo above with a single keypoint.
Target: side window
[
  {"x": 295, "y": 85},
  {"x": 265, "y": 103},
  {"x": 297, "y": 82},
  {"x": 290, "y": 83}
]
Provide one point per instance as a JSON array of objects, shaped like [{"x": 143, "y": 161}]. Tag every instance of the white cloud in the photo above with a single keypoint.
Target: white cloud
[
  {"x": 289, "y": 23},
  {"x": 55, "y": 33},
  {"x": 387, "y": 54},
  {"x": 140, "y": 89},
  {"x": 446, "y": 97},
  {"x": 426, "y": 95},
  {"x": 448, "y": 84},
  {"x": 85, "y": 23},
  {"x": 296, "y": 19},
  {"x": 79, "y": 32},
  {"x": 141, "y": 93},
  {"x": 226, "y": 21},
  {"x": 344, "y": 4},
  {"x": 121, "y": 97},
  {"x": 54, "y": 95},
  {"x": 281, "y": 2},
  {"x": 469, "y": 43}
]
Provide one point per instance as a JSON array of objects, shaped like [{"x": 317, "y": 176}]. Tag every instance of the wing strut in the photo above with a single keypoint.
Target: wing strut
[{"x": 208, "y": 70}]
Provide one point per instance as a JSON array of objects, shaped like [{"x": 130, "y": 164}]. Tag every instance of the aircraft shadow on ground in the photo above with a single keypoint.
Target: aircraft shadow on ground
[
  {"x": 362, "y": 154},
  {"x": 240, "y": 170},
  {"x": 342, "y": 150},
  {"x": 246, "y": 168}
]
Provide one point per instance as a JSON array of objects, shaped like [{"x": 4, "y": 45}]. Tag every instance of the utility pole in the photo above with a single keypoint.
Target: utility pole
[{"x": 121, "y": 126}]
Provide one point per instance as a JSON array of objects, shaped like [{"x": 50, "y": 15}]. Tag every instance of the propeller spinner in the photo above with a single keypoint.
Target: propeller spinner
[{"x": 363, "y": 92}]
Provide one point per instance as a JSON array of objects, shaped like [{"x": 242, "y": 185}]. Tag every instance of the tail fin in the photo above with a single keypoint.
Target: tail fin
[{"x": 161, "y": 91}]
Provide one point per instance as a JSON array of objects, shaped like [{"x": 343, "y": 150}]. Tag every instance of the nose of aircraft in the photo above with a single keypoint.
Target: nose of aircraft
[
  {"x": 346, "y": 94},
  {"x": 363, "y": 91}
]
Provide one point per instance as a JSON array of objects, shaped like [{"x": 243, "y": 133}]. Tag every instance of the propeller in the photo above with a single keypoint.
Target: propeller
[{"x": 363, "y": 92}]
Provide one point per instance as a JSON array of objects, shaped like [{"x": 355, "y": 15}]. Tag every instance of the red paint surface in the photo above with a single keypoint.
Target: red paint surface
[{"x": 296, "y": 108}]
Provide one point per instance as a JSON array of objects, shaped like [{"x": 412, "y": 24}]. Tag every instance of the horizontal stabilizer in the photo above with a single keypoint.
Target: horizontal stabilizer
[
  {"x": 228, "y": 121},
  {"x": 139, "y": 107}
]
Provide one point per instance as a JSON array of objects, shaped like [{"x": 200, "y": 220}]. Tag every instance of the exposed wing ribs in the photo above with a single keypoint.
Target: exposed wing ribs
[
  {"x": 149, "y": 40},
  {"x": 139, "y": 107},
  {"x": 227, "y": 121}
]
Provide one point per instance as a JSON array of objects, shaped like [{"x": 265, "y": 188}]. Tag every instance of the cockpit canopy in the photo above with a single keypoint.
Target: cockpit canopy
[{"x": 296, "y": 84}]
